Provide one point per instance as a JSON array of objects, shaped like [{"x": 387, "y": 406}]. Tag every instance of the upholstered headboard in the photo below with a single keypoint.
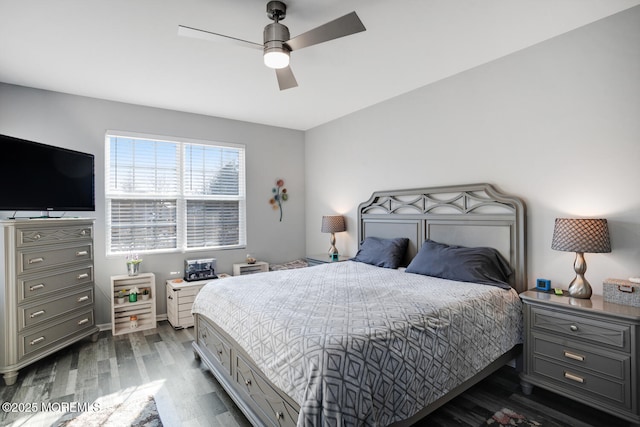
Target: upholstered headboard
[{"x": 466, "y": 215}]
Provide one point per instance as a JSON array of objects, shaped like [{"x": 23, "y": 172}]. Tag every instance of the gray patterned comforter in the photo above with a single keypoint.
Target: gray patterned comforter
[{"x": 355, "y": 344}]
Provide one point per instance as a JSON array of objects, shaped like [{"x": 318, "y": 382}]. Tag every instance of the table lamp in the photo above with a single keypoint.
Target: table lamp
[
  {"x": 581, "y": 236},
  {"x": 333, "y": 224}
]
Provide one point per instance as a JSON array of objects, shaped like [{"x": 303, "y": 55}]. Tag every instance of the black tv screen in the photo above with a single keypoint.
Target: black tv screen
[{"x": 39, "y": 177}]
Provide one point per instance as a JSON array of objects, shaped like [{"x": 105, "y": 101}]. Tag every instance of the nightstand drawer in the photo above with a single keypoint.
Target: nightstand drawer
[
  {"x": 581, "y": 328},
  {"x": 573, "y": 354},
  {"x": 585, "y": 383}
]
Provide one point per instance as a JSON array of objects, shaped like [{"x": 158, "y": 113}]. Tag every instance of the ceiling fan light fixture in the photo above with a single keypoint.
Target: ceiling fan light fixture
[
  {"x": 276, "y": 53},
  {"x": 276, "y": 58}
]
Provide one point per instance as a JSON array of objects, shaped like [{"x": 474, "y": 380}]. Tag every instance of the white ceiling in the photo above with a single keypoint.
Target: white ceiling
[{"x": 129, "y": 50}]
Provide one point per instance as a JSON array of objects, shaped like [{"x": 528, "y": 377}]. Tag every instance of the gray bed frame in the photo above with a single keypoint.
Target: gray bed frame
[{"x": 467, "y": 215}]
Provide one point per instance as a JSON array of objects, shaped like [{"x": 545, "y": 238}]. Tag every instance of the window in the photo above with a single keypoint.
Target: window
[{"x": 164, "y": 196}]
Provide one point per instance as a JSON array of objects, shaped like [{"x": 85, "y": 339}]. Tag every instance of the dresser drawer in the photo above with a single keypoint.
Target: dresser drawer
[
  {"x": 581, "y": 328},
  {"x": 42, "y": 236},
  {"x": 264, "y": 395},
  {"x": 211, "y": 342},
  {"x": 38, "y": 313},
  {"x": 53, "y": 257},
  {"x": 597, "y": 388},
  {"x": 34, "y": 342},
  {"x": 31, "y": 288},
  {"x": 614, "y": 364}
]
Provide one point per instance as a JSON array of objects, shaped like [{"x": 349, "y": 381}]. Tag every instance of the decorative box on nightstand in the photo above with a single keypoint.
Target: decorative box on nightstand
[
  {"x": 246, "y": 268},
  {"x": 180, "y": 297},
  {"x": 585, "y": 349}
]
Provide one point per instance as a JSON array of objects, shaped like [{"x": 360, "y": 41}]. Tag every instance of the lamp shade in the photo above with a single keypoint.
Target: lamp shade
[
  {"x": 581, "y": 235},
  {"x": 333, "y": 224}
]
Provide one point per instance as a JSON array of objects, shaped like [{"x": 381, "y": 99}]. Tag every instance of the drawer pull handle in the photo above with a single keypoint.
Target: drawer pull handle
[
  {"x": 573, "y": 328},
  {"x": 81, "y": 253},
  {"x": 247, "y": 382},
  {"x": 35, "y": 260},
  {"x": 83, "y": 232},
  {"x": 37, "y": 236},
  {"x": 574, "y": 356},
  {"x": 83, "y": 298},
  {"x": 36, "y": 287},
  {"x": 169, "y": 297},
  {"x": 37, "y": 313},
  {"x": 575, "y": 378},
  {"x": 627, "y": 289},
  {"x": 37, "y": 341},
  {"x": 83, "y": 276},
  {"x": 83, "y": 321},
  {"x": 279, "y": 415}
]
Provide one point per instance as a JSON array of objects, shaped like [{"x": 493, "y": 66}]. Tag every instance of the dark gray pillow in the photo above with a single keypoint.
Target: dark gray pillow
[
  {"x": 478, "y": 265},
  {"x": 387, "y": 253}
]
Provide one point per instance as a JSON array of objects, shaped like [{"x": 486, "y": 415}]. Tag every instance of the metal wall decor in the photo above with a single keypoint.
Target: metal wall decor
[{"x": 279, "y": 195}]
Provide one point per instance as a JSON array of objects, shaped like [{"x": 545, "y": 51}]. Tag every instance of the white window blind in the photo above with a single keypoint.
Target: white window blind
[{"x": 173, "y": 195}]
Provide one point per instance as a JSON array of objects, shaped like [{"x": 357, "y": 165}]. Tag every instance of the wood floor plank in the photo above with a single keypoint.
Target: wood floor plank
[{"x": 72, "y": 379}]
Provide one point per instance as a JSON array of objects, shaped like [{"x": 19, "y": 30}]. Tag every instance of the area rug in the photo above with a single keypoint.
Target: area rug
[
  {"x": 135, "y": 411},
  {"x": 507, "y": 417}
]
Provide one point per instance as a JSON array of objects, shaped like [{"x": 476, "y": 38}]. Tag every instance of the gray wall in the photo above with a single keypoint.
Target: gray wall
[
  {"x": 557, "y": 124},
  {"x": 80, "y": 123}
]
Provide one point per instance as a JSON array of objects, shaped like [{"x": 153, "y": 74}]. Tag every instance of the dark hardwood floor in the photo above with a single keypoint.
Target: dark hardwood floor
[{"x": 160, "y": 362}]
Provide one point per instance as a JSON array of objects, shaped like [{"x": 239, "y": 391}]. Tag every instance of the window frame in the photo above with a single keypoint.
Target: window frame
[{"x": 181, "y": 198}]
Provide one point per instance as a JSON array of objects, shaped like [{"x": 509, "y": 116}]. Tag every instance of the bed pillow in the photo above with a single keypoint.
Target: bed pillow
[
  {"x": 387, "y": 253},
  {"x": 478, "y": 265}
]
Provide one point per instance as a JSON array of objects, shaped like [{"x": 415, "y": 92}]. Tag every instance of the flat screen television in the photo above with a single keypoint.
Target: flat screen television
[{"x": 39, "y": 177}]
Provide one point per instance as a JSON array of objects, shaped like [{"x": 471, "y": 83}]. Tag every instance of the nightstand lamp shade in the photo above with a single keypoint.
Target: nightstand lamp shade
[
  {"x": 581, "y": 236},
  {"x": 333, "y": 224}
]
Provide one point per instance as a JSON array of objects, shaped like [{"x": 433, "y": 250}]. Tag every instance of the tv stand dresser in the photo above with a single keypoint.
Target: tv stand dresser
[{"x": 47, "y": 298}]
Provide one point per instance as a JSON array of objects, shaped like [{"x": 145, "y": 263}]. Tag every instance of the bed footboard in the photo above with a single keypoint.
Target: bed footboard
[{"x": 261, "y": 402}]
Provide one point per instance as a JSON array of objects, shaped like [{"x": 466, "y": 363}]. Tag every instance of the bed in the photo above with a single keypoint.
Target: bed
[{"x": 370, "y": 342}]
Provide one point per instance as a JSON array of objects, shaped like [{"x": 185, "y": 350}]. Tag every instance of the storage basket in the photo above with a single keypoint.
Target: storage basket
[{"x": 620, "y": 291}]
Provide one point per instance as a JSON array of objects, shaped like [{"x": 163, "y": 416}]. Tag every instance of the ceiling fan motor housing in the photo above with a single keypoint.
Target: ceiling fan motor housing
[{"x": 275, "y": 36}]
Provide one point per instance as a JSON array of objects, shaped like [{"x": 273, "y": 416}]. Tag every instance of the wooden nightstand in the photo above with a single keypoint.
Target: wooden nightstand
[
  {"x": 324, "y": 259},
  {"x": 587, "y": 350},
  {"x": 180, "y": 297},
  {"x": 143, "y": 310}
]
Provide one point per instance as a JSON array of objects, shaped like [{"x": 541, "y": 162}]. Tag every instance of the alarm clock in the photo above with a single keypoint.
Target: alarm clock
[{"x": 543, "y": 284}]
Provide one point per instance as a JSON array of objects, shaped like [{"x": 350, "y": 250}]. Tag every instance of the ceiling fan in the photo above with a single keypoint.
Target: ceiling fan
[{"x": 277, "y": 42}]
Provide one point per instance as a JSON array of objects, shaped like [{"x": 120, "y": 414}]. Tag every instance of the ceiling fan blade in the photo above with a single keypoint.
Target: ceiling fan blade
[
  {"x": 286, "y": 79},
  {"x": 208, "y": 35},
  {"x": 344, "y": 26}
]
